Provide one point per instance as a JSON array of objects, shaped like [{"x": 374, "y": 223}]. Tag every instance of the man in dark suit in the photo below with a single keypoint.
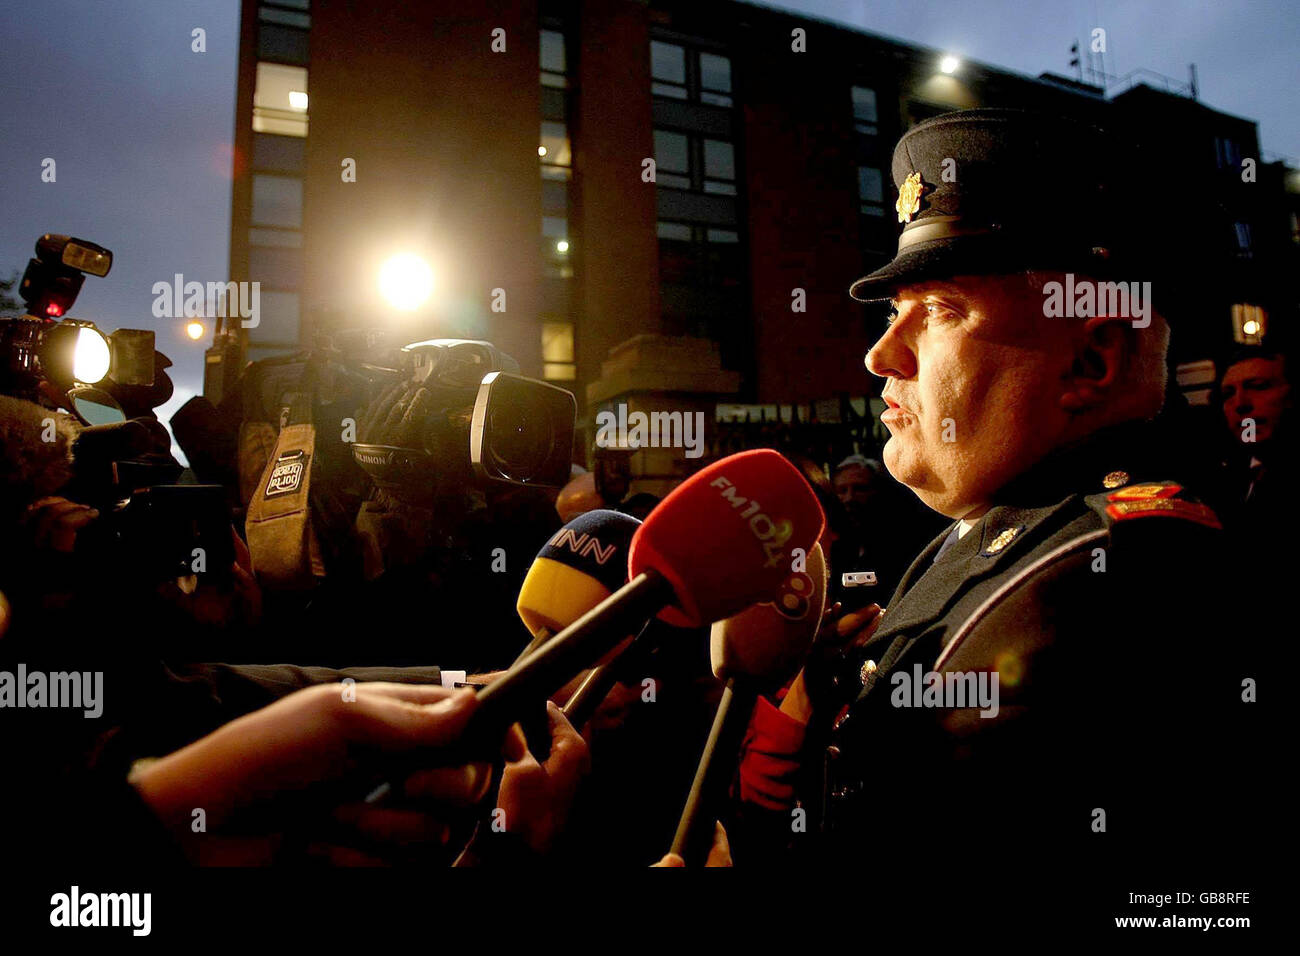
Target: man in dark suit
[{"x": 1046, "y": 684}]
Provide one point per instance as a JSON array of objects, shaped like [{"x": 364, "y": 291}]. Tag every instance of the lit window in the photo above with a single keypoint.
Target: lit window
[
  {"x": 677, "y": 231},
  {"x": 1249, "y": 323},
  {"x": 557, "y": 351},
  {"x": 280, "y": 100},
  {"x": 557, "y": 250},
  {"x": 557, "y": 341},
  {"x": 554, "y": 148},
  {"x": 864, "y": 110}
]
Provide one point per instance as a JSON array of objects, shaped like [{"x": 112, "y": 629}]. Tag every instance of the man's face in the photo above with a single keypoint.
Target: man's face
[
  {"x": 855, "y": 485},
  {"x": 974, "y": 373},
  {"x": 1255, "y": 389}
]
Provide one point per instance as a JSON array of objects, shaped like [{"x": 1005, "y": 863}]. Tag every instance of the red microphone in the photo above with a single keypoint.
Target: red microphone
[{"x": 718, "y": 543}]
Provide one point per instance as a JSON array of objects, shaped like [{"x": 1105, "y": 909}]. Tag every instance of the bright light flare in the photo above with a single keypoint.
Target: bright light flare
[
  {"x": 90, "y": 356},
  {"x": 297, "y": 100},
  {"x": 194, "y": 330},
  {"x": 406, "y": 281},
  {"x": 1250, "y": 327},
  {"x": 562, "y": 245},
  {"x": 949, "y": 64}
]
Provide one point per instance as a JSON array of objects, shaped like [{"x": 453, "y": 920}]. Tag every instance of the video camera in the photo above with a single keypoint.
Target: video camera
[
  {"x": 482, "y": 414},
  {"x": 150, "y": 527},
  {"x": 50, "y": 358}
]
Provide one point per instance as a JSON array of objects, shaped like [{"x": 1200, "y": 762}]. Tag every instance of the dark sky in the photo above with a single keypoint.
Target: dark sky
[{"x": 140, "y": 127}]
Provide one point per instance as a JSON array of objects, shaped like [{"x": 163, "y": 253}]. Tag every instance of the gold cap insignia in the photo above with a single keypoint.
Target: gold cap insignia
[
  {"x": 1001, "y": 540},
  {"x": 1115, "y": 479},
  {"x": 909, "y": 197}
]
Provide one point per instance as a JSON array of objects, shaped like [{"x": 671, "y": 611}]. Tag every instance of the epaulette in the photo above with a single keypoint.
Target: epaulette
[{"x": 1153, "y": 499}]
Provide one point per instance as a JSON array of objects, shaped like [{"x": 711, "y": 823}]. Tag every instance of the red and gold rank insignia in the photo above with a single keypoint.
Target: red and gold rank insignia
[
  {"x": 1166, "y": 507},
  {"x": 909, "y": 197},
  {"x": 1145, "y": 492}
]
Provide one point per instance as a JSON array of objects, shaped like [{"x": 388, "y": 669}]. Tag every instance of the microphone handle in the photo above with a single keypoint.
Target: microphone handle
[
  {"x": 713, "y": 774},
  {"x": 582, "y": 705},
  {"x": 544, "y": 671},
  {"x": 543, "y": 635}
]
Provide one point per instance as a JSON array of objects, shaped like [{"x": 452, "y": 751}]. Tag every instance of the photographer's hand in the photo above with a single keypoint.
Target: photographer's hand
[{"x": 54, "y": 522}]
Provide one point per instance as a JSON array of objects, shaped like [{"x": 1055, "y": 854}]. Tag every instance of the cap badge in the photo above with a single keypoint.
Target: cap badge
[{"x": 909, "y": 197}]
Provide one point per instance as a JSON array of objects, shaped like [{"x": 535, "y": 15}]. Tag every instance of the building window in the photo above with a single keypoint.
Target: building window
[
  {"x": 556, "y": 253},
  {"x": 557, "y": 351},
  {"x": 675, "y": 231},
  {"x": 554, "y": 147},
  {"x": 285, "y": 13},
  {"x": 1249, "y": 323},
  {"x": 715, "y": 79},
  {"x": 719, "y": 167},
  {"x": 668, "y": 70},
  {"x": 687, "y": 161},
  {"x": 277, "y": 201},
  {"x": 1241, "y": 232},
  {"x": 553, "y": 60},
  {"x": 680, "y": 73},
  {"x": 871, "y": 191},
  {"x": 1227, "y": 153},
  {"x": 672, "y": 159},
  {"x": 280, "y": 100},
  {"x": 278, "y": 319},
  {"x": 864, "y": 110}
]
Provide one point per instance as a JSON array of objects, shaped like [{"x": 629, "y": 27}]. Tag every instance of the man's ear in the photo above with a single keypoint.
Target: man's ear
[{"x": 1101, "y": 354}]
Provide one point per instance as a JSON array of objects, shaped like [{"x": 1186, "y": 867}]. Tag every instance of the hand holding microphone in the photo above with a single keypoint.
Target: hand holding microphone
[{"x": 721, "y": 541}]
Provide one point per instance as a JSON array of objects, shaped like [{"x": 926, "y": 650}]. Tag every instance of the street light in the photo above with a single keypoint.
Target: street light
[
  {"x": 194, "y": 330},
  {"x": 949, "y": 64},
  {"x": 406, "y": 281}
]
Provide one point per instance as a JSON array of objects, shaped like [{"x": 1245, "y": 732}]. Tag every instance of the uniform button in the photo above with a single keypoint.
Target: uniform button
[{"x": 868, "y": 668}]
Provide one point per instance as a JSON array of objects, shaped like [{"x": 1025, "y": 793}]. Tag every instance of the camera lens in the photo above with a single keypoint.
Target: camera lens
[{"x": 521, "y": 440}]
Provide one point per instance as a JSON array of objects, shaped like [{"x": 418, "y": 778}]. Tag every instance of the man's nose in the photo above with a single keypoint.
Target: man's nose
[
  {"x": 891, "y": 357},
  {"x": 845, "y": 495}
]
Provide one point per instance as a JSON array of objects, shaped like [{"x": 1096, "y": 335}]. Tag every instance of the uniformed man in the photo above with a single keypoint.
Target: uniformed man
[{"x": 1047, "y": 680}]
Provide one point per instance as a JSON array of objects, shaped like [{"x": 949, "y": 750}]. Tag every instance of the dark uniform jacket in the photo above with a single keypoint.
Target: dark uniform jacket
[{"x": 1118, "y": 694}]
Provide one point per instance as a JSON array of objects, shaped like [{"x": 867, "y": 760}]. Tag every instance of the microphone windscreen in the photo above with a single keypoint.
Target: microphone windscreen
[
  {"x": 582, "y": 564},
  {"x": 771, "y": 639},
  {"x": 723, "y": 538}
]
